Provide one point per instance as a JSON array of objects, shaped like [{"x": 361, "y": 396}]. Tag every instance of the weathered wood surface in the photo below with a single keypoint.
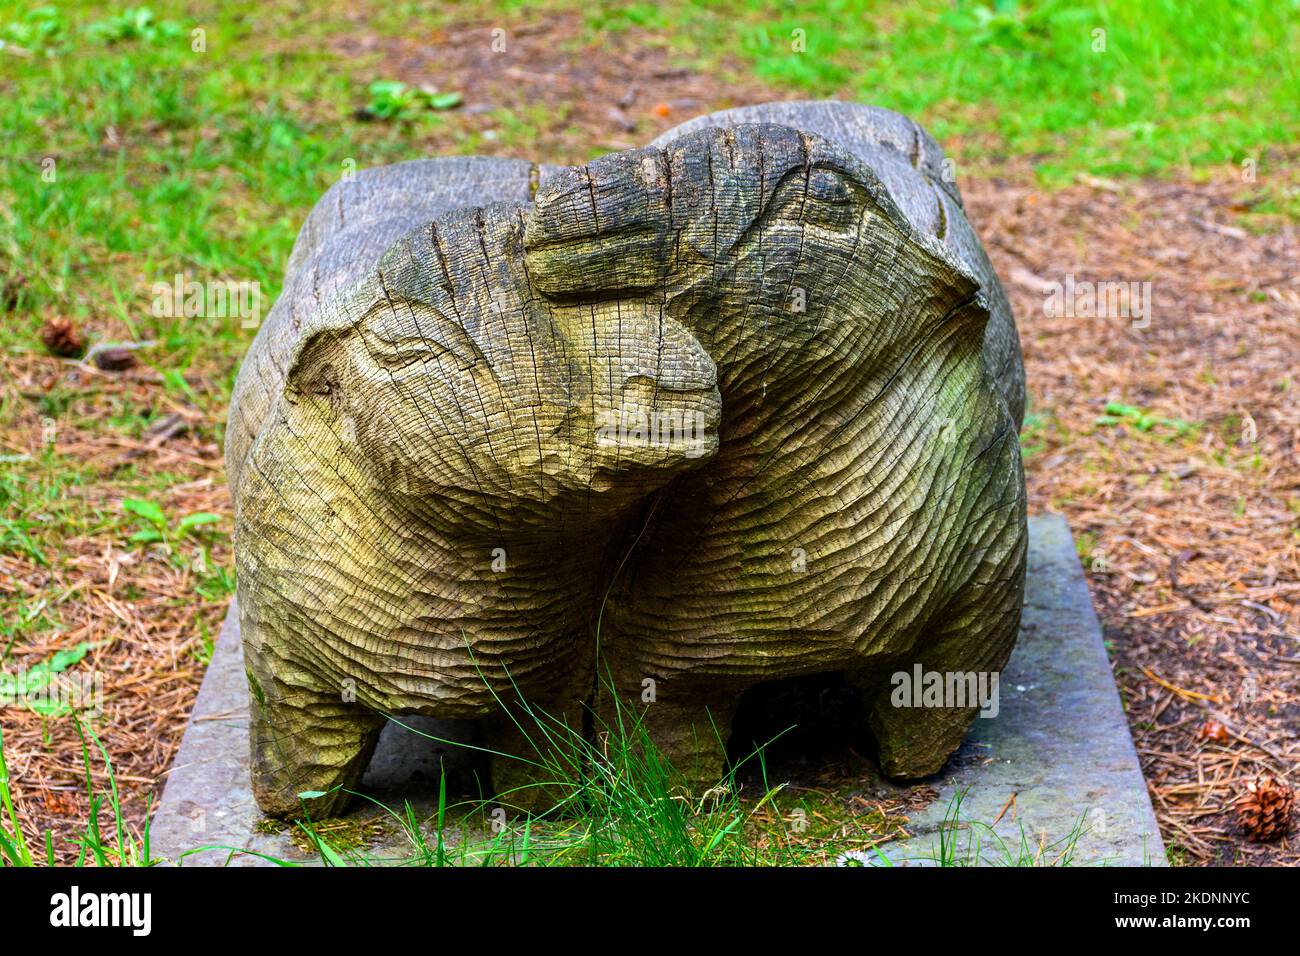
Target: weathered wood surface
[{"x": 747, "y": 398}]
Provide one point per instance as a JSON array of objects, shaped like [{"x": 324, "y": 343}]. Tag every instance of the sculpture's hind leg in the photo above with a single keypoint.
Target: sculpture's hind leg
[
  {"x": 969, "y": 639},
  {"x": 916, "y": 741},
  {"x": 966, "y": 657},
  {"x": 543, "y": 762},
  {"x": 692, "y": 735},
  {"x": 535, "y": 734},
  {"x": 307, "y": 740}
]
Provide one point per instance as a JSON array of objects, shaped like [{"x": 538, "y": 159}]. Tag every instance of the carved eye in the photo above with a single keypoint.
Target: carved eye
[
  {"x": 827, "y": 199},
  {"x": 394, "y": 328},
  {"x": 403, "y": 332},
  {"x": 831, "y": 201}
]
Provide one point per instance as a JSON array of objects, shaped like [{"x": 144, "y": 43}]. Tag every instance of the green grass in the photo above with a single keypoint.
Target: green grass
[
  {"x": 1167, "y": 85},
  {"x": 975, "y": 843},
  {"x": 605, "y": 798},
  {"x": 618, "y": 802},
  {"x": 167, "y": 160}
]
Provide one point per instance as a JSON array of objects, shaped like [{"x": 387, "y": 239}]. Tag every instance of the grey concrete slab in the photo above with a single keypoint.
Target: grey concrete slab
[{"x": 1056, "y": 760}]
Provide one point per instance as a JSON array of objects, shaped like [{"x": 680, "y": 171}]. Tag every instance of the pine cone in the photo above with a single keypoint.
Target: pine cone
[
  {"x": 62, "y": 338},
  {"x": 1265, "y": 808}
]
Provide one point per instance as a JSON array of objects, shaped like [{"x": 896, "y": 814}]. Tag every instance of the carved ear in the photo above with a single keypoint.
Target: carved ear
[
  {"x": 612, "y": 226},
  {"x": 318, "y": 340},
  {"x": 728, "y": 183},
  {"x": 313, "y": 370},
  {"x": 386, "y": 314},
  {"x": 602, "y": 228},
  {"x": 723, "y": 179}
]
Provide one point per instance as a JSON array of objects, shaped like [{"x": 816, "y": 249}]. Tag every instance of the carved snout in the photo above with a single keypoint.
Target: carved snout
[
  {"x": 664, "y": 406},
  {"x": 598, "y": 243}
]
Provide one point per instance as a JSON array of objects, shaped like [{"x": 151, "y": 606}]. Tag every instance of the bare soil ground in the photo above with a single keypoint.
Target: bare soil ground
[{"x": 1186, "y": 518}]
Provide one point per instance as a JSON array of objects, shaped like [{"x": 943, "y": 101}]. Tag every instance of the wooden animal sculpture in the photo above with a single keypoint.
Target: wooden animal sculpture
[{"x": 738, "y": 406}]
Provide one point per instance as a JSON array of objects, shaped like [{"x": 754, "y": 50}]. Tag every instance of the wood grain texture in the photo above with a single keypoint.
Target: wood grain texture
[{"x": 748, "y": 396}]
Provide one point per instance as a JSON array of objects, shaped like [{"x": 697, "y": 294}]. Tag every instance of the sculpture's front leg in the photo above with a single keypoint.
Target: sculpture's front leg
[{"x": 305, "y": 737}]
